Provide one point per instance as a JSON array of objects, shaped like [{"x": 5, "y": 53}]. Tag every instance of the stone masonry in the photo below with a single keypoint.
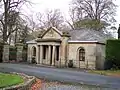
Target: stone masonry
[
  {"x": 19, "y": 52},
  {"x": 6, "y": 53}
]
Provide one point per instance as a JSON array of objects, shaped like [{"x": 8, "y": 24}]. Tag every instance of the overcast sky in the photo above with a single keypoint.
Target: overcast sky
[{"x": 63, "y": 5}]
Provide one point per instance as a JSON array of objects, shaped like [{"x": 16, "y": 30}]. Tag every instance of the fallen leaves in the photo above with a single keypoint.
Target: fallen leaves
[{"x": 37, "y": 85}]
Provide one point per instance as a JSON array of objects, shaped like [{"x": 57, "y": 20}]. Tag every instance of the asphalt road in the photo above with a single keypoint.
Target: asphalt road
[{"x": 63, "y": 75}]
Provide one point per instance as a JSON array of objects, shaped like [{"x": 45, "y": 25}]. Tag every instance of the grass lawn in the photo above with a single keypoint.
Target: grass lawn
[
  {"x": 9, "y": 80},
  {"x": 115, "y": 73}
]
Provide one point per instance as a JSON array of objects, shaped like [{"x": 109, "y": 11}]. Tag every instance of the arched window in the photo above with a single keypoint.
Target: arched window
[
  {"x": 81, "y": 54},
  {"x": 34, "y": 51}
]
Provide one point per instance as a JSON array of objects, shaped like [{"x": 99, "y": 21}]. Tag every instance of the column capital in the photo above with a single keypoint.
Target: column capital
[
  {"x": 49, "y": 54},
  {"x": 54, "y": 45}
]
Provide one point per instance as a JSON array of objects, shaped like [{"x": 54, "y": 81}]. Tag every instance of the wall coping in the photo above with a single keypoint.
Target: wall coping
[{"x": 86, "y": 42}]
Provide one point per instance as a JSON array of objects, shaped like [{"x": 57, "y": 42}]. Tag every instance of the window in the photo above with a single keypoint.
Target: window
[{"x": 81, "y": 52}]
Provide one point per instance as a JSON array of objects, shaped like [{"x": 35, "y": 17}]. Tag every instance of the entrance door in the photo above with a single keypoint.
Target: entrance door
[{"x": 57, "y": 53}]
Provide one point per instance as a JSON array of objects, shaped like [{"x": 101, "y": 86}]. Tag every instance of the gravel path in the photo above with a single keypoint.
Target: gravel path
[{"x": 59, "y": 86}]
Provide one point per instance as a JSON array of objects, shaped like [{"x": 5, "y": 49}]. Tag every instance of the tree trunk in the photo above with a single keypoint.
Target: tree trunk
[
  {"x": 15, "y": 37},
  {"x": 5, "y": 22}
]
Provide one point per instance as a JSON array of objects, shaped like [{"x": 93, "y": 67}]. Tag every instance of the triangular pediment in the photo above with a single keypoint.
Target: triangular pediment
[{"x": 52, "y": 33}]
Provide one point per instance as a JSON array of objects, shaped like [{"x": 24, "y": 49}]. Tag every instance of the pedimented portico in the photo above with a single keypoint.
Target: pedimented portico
[
  {"x": 50, "y": 47},
  {"x": 49, "y": 51}
]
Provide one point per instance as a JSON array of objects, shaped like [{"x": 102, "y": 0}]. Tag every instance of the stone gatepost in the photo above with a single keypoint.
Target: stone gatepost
[
  {"x": 6, "y": 53},
  {"x": 19, "y": 52}
]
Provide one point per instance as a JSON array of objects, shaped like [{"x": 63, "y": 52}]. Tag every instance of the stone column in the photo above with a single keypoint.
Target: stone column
[
  {"x": 53, "y": 56},
  {"x": 38, "y": 55},
  {"x": 46, "y": 57},
  {"x": 19, "y": 52},
  {"x": 55, "y": 59},
  {"x": 6, "y": 53},
  {"x": 49, "y": 53},
  {"x": 41, "y": 54}
]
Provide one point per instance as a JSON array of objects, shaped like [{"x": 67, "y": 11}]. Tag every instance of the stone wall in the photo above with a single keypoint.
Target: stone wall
[
  {"x": 100, "y": 56},
  {"x": 90, "y": 55},
  {"x": 19, "y": 52}
]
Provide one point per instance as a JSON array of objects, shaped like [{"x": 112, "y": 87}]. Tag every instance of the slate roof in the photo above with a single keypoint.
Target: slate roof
[
  {"x": 85, "y": 35},
  {"x": 88, "y": 35}
]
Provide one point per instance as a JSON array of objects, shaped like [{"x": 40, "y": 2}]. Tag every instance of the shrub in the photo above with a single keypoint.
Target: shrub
[
  {"x": 112, "y": 54},
  {"x": 108, "y": 64},
  {"x": 70, "y": 63},
  {"x": 33, "y": 60}
]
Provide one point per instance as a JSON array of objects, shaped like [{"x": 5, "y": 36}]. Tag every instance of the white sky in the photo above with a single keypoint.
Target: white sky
[{"x": 63, "y": 5}]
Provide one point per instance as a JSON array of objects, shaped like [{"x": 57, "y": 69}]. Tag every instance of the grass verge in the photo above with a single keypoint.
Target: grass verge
[
  {"x": 9, "y": 80},
  {"x": 115, "y": 73}
]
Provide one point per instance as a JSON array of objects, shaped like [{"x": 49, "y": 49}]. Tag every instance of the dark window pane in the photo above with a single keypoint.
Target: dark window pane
[{"x": 81, "y": 55}]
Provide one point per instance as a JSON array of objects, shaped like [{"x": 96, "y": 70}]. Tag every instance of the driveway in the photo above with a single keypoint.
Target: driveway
[{"x": 63, "y": 75}]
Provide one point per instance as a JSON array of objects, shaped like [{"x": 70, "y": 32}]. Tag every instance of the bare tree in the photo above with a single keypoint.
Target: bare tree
[
  {"x": 16, "y": 27},
  {"x": 51, "y": 18},
  {"x": 97, "y": 11},
  {"x": 9, "y": 7},
  {"x": 21, "y": 28},
  {"x": 32, "y": 23}
]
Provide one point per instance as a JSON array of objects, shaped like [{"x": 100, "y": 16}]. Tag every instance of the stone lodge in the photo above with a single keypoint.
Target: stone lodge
[{"x": 86, "y": 48}]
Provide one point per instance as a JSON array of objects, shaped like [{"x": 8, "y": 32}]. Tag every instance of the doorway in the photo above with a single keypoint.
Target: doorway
[{"x": 51, "y": 55}]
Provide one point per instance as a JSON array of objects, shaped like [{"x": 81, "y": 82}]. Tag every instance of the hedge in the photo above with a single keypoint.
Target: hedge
[{"x": 112, "y": 54}]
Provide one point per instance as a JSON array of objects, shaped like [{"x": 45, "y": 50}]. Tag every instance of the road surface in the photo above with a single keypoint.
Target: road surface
[{"x": 62, "y": 75}]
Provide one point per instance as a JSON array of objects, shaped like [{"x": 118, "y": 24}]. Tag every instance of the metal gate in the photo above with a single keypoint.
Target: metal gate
[
  {"x": 12, "y": 53},
  {"x": 24, "y": 54}
]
